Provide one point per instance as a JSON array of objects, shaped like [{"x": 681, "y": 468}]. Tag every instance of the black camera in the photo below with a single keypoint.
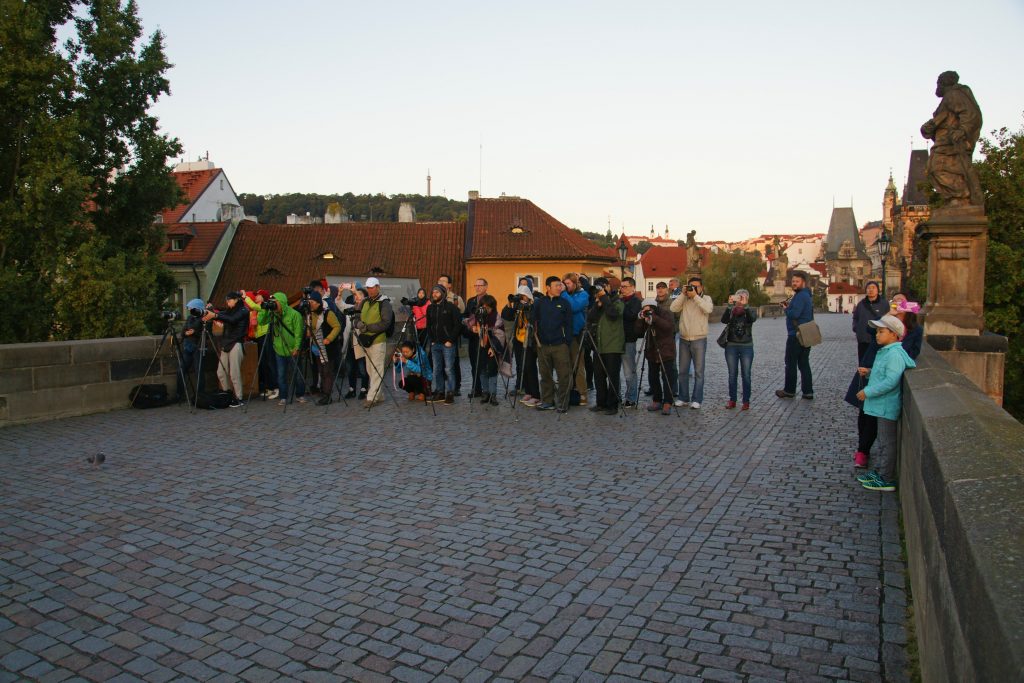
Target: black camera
[
  {"x": 691, "y": 288},
  {"x": 196, "y": 312},
  {"x": 170, "y": 315},
  {"x": 269, "y": 305},
  {"x": 406, "y": 301},
  {"x": 351, "y": 312},
  {"x": 306, "y": 291}
]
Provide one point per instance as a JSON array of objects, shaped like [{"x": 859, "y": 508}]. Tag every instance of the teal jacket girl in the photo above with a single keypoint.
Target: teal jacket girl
[{"x": 883, "y": 394}]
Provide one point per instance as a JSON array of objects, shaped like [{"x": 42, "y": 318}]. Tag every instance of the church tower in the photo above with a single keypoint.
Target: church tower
[{"x": 889, "y": 202}]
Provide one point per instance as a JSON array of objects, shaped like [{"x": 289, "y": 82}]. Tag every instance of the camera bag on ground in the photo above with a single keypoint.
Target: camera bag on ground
[
  {"x": 149, "y": 396},
  {"x": 214, "y": 400}
]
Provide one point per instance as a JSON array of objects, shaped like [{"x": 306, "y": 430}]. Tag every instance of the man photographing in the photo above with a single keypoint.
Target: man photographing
[
  {"x": 375, "y": 319},
  {"x": 694, "y": 307},
  {"x": 191, "y": 334},
  {"x": 605, "y": 318},
  {"x": 236, "y": 325}
]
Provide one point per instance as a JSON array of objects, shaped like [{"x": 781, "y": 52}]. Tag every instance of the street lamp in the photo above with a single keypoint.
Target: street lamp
[
  {"x": 884, "y": 245},
  {"x": 623, "y": 250}
]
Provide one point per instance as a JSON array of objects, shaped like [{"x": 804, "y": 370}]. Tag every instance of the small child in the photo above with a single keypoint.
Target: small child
[
  {"x": 415, "y": 369},
  {"x": 883, "y": 399}
]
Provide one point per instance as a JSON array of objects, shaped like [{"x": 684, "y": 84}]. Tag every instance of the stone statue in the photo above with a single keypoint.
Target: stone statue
[
  {"x": 955, "y": 127},
  {"x": 692, "y": 253}
]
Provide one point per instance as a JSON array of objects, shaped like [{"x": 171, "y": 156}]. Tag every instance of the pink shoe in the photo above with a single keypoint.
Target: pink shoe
[{"x": 860, "y": 460}]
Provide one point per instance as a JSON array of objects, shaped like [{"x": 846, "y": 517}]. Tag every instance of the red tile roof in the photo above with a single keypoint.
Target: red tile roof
[
  {"x": 193, "y": 183},
  {"x": 201, "y": 240},
  {"x": 843, "y": 288},
  {"x": 511, "y": 228},
  {"x": 821, "y": 268},
  {"x": 664, "y": 262},
  {"x": 286, "y": 257}
]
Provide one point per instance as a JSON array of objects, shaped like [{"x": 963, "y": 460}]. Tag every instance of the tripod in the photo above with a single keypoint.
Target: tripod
[
  {"x": 272, "y": 333},
  {"x": 408, "y": 334},
  {"x": 171, "y": 333},
  {"x": 651, "y": 337},
  {"x": 585, "y": 336},
  {"x": 520, "y": 362},
  {"x": 374, "y": 400}
]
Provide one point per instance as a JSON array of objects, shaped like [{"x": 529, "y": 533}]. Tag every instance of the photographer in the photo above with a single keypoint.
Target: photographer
[
  {"x": 444, "y": 323},
  {"x": 739, "y": 351},
  {"x": 325, "y": 331},
  {"x": 372, "y": 325},
  {"x": 419, "y": 311},
  {"x": 694, "y": 308},
  {"x": 579, "y": 300},
  {"x": 287, "y": 340},
  {"x": 473, "y": 347},
  {"x": 236, "y": 325},
  {"x": 449, "y": 286},
  {"x": 632, "y": 303},
  {"x": 191, "y": 334},
  {"x": 267, "y": 370},
  {"x": 660, "y": 352},
  {"x": 552, "y": 323},
  {"x": 516, "y": 316},
  {"x": 605, "y": 319},
  {"x": 415, "y": 369},
  {"x": 489, "y": 329}
]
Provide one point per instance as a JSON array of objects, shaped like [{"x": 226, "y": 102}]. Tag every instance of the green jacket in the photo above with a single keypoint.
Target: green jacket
[
  {"x": 261, "y": 327},
  {"x": 606, "y": 321},
  {"x": 288, "y": 325}
]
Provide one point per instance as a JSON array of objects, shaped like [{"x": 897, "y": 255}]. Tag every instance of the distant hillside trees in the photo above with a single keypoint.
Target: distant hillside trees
[{"x": 275, "y": 208}]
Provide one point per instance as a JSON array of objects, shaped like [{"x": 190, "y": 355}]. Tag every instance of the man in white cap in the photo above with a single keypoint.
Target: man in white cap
[{"x": 375, "y": 319}]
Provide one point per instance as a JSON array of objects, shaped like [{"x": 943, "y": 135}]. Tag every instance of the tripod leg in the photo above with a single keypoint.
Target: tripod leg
[
  {"x": 373, "y": 400},
  {"x": 571, "y": 384},
  {"x": 182, "y": 373},
  {"x": 664, "y": 371},
  {"x": 607, "y": 379}
]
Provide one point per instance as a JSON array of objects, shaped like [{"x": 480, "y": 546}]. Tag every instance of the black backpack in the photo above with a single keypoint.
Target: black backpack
[
  {"x": 214, "y": 400},
  {"x": 149, "y": 396}
]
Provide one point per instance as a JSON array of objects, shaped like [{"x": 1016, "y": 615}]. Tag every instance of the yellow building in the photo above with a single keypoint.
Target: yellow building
[{"x": 510, "y": 237}]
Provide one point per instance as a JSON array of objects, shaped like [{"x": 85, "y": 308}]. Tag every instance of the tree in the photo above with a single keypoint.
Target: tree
[
  {"x": 1001, "y": 172},
  {"x": 642, "y": 246},
  {"x": 727, "y": 272},
  {"x": 85, "y": 170}
]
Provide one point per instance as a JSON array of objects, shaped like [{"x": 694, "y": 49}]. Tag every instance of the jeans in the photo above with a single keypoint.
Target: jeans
[
  {"x": 443, "y": 359},
  {"x": 692, "y": 350},
  {"x": 798, "y": 356},
  {"x": 287, "y": 365},
  {"x": 488, "y": 369},
  {"x": 629, "y": 370},
  {"x": 743, "y": 357}
]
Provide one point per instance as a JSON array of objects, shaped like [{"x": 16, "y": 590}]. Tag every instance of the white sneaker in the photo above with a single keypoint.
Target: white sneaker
[
  {"x": 695, "y": 405},
  {"x": 679, "y": 403},
  {"x": 273, "y": 394}
]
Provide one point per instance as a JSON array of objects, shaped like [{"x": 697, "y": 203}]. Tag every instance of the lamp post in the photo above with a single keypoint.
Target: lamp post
[
  {"x": 884, "y": 245},
  {"x": 623, "y": 249}
]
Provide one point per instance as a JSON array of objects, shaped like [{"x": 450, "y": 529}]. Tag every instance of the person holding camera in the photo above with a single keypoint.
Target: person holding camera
[
  {"x": 286, "y": 326},
  {"x": 605, "y": 318},
  {"x": 552, "y": 324},
  {"x": 267, "y": 372},
  {"x": 489, "y": 330},
  {"x": 324, "y": 330},
  {"x": 694, "y": 308},
  {"x": 449, "y": 286},
  {"x": 660, "y": 352},
  {"x": 516, "y": 316},
  {"x": 575, "y": 292},
  {"x": 473, "y": 346},
  {"x": 631, "y": 305},
  {"x": 191, "y": 334},
  {"x": 739, "y": 351},
  {"x": 374, "y": 320},
  {"x": 444, "y": 324},
  {"x": 236, "y": 326},
  {"x": 415, "y": 369},
  {"x": 799, "y": 310}
]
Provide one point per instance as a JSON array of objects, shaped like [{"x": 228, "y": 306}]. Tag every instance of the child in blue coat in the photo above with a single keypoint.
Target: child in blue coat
[
  {"x": 414, "y": 366},
  {"x": 883, "y": 399}
]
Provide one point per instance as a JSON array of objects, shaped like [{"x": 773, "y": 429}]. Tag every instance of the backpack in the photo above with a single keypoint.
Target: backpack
[
  {"x": 214, "y": 400},
  {"x": 149, "y": 396}
]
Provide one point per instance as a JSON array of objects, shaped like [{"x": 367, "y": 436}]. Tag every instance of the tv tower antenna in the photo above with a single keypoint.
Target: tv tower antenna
[{"x": 428, "y": 182}]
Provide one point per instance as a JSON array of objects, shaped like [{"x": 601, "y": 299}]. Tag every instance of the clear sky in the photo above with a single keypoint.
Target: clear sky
[{"x": 734, "y": 118}]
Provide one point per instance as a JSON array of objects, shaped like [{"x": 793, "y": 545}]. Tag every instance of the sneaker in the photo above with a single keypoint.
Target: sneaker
[
  {"x": 484, "y": 398},
  {"x": 730, "y": 405},
  {"x": 351, "y": 393},
  {"x": 679, "y": 403},
  {"x": 666, "y": 409},
  {"x": 534, "y": 402},
  {"x": 809, "y": 397},
  {"x": 302, "y": 399},
  {"x": 235, "y": 403},
  {"x": 879, "y": 484},
  {"x": 695, "y": 405},
  {"x": 746, "y": 406},
  {"x": 274, "y": 393},
  {"x": 363, "y": 393},
  {"x": 860, "y": 460},
  {"x": 583, "y": 401},
  {"x": 545, "y": 406},
  {"x": 283, "y": 402},
  {"x": 782, "y": 393},
  {"x": 870, "y": 475},
  {"x": 628, "y": 404},
  {"x": 648, "y": 392},
  {"x": 654, "y": 407}
]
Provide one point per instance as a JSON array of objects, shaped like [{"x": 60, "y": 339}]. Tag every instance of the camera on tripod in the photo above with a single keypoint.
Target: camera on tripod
[
  {"x": 406, "y": 301},
  {"x": 170, "y": 315},
  {"x": 269, "y": 305}
]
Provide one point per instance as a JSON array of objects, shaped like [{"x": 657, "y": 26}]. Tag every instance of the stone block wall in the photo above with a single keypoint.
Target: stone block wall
[
  {"x": 61, "y": 379},
  {"x": 961, "y": 485},
  {"x": 981, "y": 358}
]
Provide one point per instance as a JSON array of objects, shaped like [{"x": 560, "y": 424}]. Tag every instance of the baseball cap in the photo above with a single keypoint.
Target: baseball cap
[
  {"x": 372, "y": 282},
  {"x": 891, "y": 323}
]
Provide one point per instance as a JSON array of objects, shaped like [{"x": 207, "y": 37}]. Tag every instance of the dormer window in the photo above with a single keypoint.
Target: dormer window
[
  {"x": 327, "y": 255},
  {"x": 177, "y": 244}
]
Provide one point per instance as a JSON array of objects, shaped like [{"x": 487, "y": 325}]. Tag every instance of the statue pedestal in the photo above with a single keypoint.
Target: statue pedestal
[{"x": 957, "y": 242}]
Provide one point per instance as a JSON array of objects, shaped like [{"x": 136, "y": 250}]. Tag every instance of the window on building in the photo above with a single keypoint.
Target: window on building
[
  {"x": 849, "y": 299},
  {"x": 177, "y": 244},
  {"x": 650, "y": 287},
  {"x": 538, "y": 283}
]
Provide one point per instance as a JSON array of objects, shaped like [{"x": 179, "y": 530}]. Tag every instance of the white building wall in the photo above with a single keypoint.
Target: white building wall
[{"x": 207, "y": 207}]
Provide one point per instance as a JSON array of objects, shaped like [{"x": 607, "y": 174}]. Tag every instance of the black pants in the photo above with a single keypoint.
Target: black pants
[
  {"x": 357, "y": 372},
  {"x": 268, "y": 366},
  {"x": 589, "y": 362},
  {"x": 867, "y": 431},
  {"x": 416, "y": 384},
  {"x": 474, "y": 352},
  {"x": 606, "y": 379},
  {"x": 658, "y": 379},
  {"x": 798, "y": 357},
  {"x": 458, "y": 366},
  {"x": 861, "y": 348},
  {"x": 526, "y": 366}
]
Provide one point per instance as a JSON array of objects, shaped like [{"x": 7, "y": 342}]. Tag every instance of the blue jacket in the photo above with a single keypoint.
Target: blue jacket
[
  {"x": 419, "y": 364},
  {"x": 552, "y": 319},
  {"x": 883, "y": 394},
  {"x": 578, "y": 300},
  {"x": 799, "y": 311}
]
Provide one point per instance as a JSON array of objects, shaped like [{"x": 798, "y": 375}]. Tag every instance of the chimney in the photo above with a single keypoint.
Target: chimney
[{"x": 474, "y": 194}]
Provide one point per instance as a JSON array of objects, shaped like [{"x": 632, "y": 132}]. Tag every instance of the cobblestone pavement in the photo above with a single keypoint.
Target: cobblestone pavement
[{"x": 337, "y": 544}]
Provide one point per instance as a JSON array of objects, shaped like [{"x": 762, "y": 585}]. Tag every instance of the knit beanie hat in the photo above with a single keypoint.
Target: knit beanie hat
[{"x": 441, "y": 288}]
